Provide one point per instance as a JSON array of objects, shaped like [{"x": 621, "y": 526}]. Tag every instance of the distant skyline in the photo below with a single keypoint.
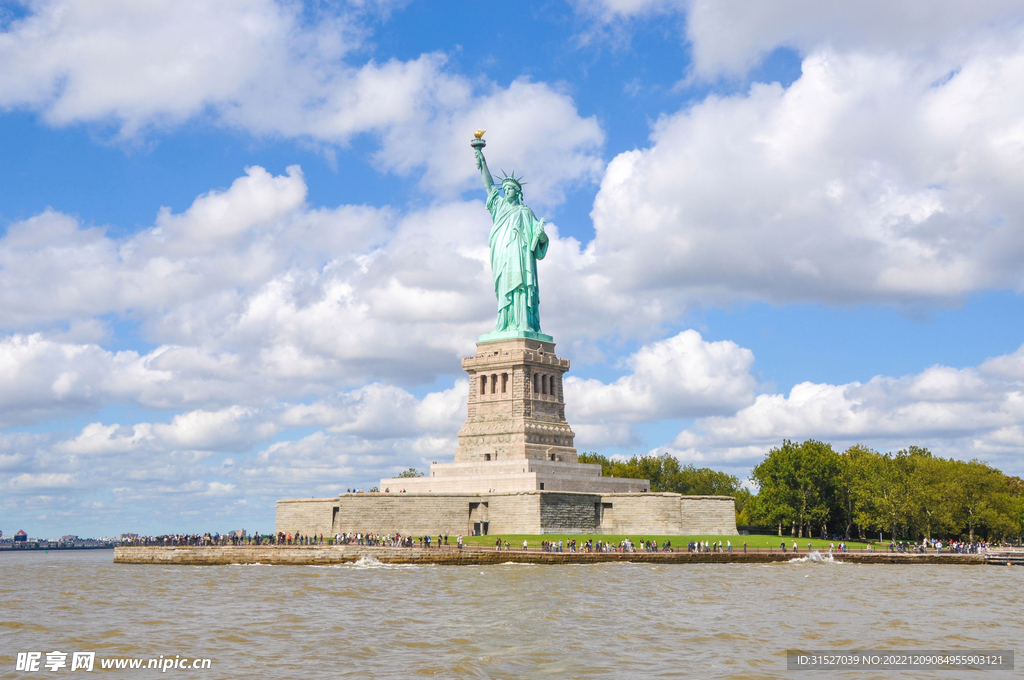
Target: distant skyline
[{"x": 768, "y": 220}]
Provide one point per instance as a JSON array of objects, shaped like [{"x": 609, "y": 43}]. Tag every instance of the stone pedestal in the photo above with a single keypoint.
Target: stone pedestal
[
  {"x": 516, "y": 404},
  {"x": 515, "y": 437},
  {"x": 515, "y": 471}
]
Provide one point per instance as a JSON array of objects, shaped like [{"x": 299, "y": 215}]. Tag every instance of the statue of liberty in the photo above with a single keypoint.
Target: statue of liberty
[{"x": 517, "y": 241}]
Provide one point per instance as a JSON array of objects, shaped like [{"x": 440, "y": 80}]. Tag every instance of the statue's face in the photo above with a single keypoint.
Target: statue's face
[{"x": 511, "y": 192}]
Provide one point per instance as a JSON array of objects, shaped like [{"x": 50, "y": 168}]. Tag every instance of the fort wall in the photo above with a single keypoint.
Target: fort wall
[
  {"x": 708, "y": 514},
  {"x": 522, "y": 512}
]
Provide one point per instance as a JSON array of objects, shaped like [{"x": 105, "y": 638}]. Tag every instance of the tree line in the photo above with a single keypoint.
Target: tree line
[
  {"x": 666, "y": 473},
  {"x": 908, "y": 495},
  {"x": 809, "y": 489}
]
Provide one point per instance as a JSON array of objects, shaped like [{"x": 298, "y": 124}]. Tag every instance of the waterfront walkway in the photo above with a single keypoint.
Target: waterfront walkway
[{"x": 347, "y": 554}]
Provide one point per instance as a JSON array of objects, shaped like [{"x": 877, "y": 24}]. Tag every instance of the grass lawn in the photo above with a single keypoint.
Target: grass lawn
[{"x": 678, "y": 542}]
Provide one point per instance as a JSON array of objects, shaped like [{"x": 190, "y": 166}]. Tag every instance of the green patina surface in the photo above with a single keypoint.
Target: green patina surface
[
  {"x": 517, "y": 241},
  {"x": 509, "y": 335}
]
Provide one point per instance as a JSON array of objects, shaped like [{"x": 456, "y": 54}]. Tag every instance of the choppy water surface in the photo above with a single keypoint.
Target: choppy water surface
[{"x": 512, "y": 621}]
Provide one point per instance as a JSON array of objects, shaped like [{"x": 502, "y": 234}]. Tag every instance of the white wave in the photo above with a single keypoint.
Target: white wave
[
  {"x": 367, "y": 562},
  {"x": 371, "y": 562},
  {"x": 816, "y": 558}
]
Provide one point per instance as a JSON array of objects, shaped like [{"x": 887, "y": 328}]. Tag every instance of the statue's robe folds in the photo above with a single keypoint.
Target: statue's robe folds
[{"x": 517, "y": 241}]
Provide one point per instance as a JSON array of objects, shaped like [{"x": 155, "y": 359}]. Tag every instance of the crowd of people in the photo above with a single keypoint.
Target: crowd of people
[
  {"x": 712, "y": 546},
  {"x": 962, "y": 547},
  {"x": 208, "y": 538},
  {"x": 592, "y": 545},
  {"x": 571, "y": 545}
]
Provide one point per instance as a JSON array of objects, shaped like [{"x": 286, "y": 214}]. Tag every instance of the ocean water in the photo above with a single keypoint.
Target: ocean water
[{"x": 509, "y": 621}]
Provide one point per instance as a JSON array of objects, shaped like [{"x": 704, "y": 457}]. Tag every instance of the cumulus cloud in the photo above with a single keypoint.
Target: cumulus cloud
[
  {"x": 231, "y": 429},
  {"x": 326, "y": 464},
  {"x": 53, "y": 480},
  {"x": 52, "y": 268},
  {"x": 730, "y": 38},
  {"x": 264, "y": 68},
  {"x": 681, "y": 377},
  {"x": 198, "y": 459},
  {"x": 873, "y": 177},
  {"x": 966, "y": 413},
  {"x": 380, "y": 411},
  {"x": 250, "y": 295},
  {"x": 43, "y": 377}
]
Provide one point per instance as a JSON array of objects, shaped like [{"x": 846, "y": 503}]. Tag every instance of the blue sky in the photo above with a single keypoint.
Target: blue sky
[{"x": 242, "y": 248}]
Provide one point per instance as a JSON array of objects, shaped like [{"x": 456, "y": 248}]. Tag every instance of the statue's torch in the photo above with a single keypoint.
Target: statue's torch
[{"x": 478, "y": 141}]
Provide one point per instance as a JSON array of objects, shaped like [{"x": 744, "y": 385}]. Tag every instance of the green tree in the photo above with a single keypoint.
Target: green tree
[
  {"x": 743, "y": 498},
  {"x": 596, "y": 458},
  {"x": 411, "y": 472},
  {"x": 696, "y": 481},
  {"x": 794, "y": 485},
  {"x": 1015, "y": 507},
  {"x": 850, "y": 488},
  {"x": 930, "y": 508},
  {"x": 666, "y": 473},
  {"x": 776, "y": 500},
  {"x": 891, "y": 480},
  {"x": 978, "y": 495}
]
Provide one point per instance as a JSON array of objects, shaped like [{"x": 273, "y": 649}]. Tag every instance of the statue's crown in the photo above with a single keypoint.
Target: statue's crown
[{"x": 518, "y": 181}]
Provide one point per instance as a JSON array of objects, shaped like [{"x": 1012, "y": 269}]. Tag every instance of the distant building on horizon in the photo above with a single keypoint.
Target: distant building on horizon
[{"x": 21, "y": 536}]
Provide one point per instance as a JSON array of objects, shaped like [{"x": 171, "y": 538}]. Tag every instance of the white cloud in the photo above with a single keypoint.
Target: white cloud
[
  {"x": 173, "y": 470},
  {"x": 257, "y": 200},
  {"x": 887, "y": 172},
  {"x": 380, "y": 411},
  {"x": 966, "y": 413},
  {"x": 231, "y": 429},
  {"x": 155, "y": 61},
  {"x": 307, "y": 465},
  {"x": 729, "y": 38},
  {"x": 681, "y": 377},
  {"x": 250, "y": 294},
  {"x": 54, "y": 269},
  {"x": 29, "y": 482},
  {"x": 42, "y": 377},
  {"x": 264, "y": 68},
  {"x": 535, "y": 131},
  {"x": 870, "y": 178}
]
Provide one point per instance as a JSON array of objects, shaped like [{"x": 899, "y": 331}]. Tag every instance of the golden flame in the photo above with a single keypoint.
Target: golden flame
[{"x": 479, "y": 133}]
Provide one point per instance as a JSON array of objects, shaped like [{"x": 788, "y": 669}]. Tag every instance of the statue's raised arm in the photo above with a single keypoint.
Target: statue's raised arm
[
  {"x": 517, "y": 241},
  {"x": 485, "y": 173}
]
